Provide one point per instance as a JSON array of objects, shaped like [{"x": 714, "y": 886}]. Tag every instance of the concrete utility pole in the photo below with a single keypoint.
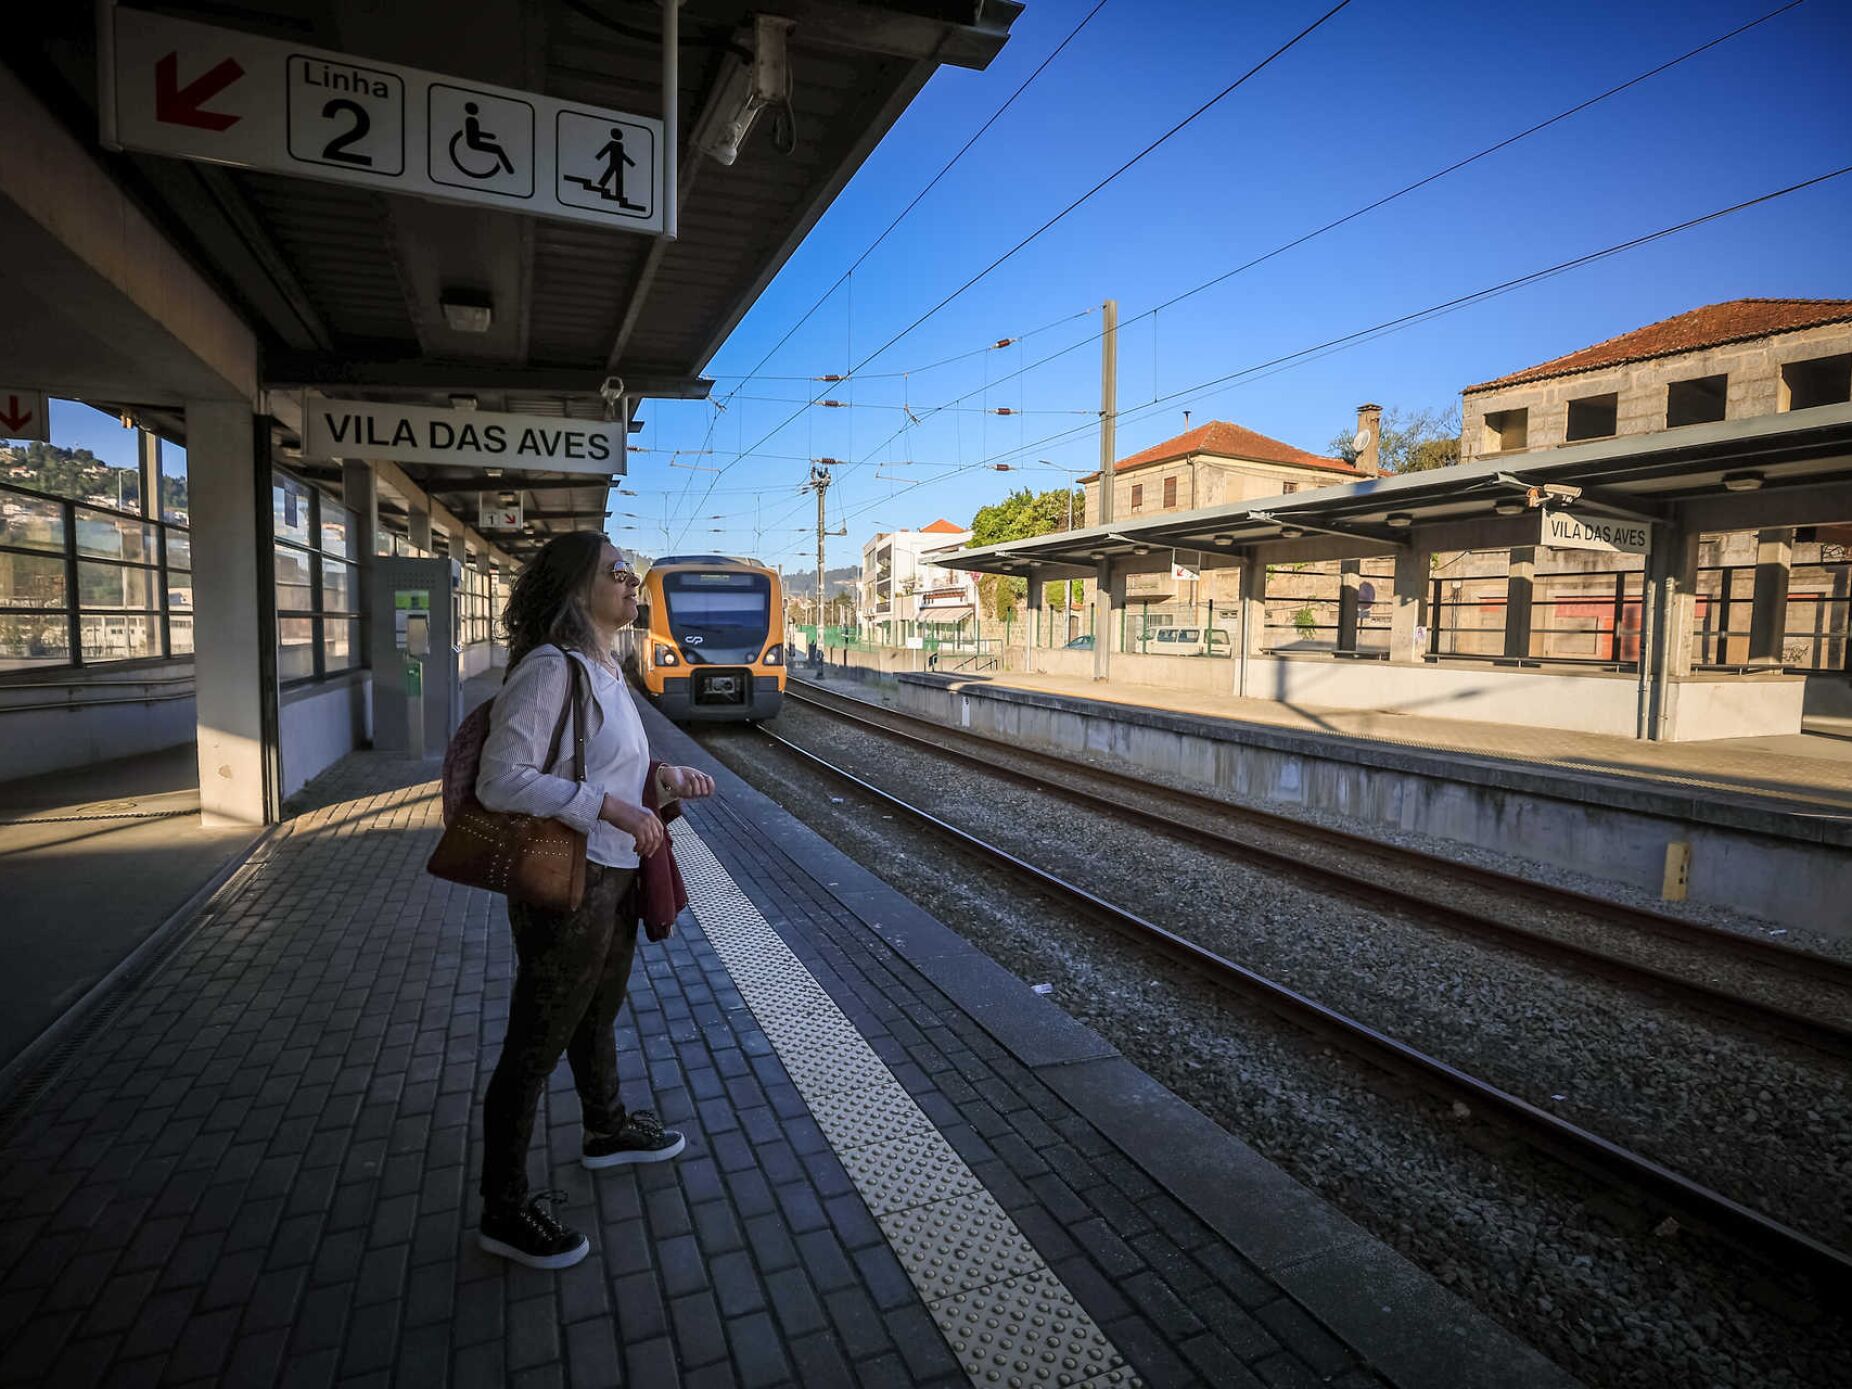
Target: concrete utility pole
[
  {"x": 1109, "y": 403},
  {"x": 1109, "y": 447},
  {"x": 820, "y": 484}
]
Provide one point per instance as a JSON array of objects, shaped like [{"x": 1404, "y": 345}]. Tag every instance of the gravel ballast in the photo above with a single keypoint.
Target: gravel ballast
[{"x": 1572, "y": 1269}]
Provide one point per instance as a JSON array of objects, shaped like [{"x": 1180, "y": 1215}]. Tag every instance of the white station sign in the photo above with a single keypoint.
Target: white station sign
[
  {"x": 1561, "y": 531},
  {"x": 494, "y": 514},
  {"x": 24, "y": 414},
  {"x": 462, "y": 438},
  {"x": 200, "y": 92}
]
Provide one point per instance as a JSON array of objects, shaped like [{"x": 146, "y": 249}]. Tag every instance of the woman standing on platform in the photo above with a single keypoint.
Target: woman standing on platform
[{"x": 568, "y": 605}]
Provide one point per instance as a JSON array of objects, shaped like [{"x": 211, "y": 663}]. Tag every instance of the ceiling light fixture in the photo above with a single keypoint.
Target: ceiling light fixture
[
  {"x": 467, "y": 310},
  {"x": 1742, "y": 482},
  {"x": 1510, "y": 508},
  {"x": 464, "y": 402},
  {"x": 1400, "y": 520}
]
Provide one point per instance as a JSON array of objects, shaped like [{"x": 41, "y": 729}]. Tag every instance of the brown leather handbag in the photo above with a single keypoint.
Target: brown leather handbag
[{"x": 527, "y": 858}]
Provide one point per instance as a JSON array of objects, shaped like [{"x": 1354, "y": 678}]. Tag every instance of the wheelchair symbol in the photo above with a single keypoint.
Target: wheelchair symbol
[{"x": 479, "y": 141}]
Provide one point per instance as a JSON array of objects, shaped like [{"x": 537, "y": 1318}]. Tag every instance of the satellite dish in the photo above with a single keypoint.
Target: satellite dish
[{"x": 1362, "y": 441}]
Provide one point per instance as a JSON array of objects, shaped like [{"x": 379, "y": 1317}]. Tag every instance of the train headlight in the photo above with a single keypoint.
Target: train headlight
[
  {"x": 775, "y": 654},
  {"x": 665, "y": 656}
]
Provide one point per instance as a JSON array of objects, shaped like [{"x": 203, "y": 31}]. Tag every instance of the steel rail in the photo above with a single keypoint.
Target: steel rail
[
  {"x": 1815, "y": 968},
  {"x": 1791, "y": 1249}
]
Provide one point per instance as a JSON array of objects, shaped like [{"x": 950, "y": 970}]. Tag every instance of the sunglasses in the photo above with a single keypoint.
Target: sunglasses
[{"x": 623, "y": 574}]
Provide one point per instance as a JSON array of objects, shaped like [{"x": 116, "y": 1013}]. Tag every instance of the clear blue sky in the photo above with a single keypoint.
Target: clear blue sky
[{"x": 1381, "y": 95}]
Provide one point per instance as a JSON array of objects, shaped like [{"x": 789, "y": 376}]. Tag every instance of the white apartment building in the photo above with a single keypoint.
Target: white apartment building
[{"x": 901, "y": 587}]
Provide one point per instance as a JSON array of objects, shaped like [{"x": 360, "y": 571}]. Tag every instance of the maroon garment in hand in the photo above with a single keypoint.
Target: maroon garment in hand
[{"x": 660, "y": 893}]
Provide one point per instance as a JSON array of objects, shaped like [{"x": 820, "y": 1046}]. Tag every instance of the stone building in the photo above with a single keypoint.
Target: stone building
[
  {"x": 1210, "y": 465},
  {"x": 1730, "y": 361}
]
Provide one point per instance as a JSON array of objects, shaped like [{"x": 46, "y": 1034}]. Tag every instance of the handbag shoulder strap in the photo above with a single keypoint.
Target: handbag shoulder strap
[{"x": 573, "y": 707}]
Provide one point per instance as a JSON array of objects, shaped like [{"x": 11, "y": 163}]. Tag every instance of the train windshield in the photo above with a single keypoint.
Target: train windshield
[{"x": 721, "y": 615}]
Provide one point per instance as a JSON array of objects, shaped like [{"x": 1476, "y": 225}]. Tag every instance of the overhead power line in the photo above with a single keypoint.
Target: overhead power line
[
  {"x": 1384, "y": 201},
  {"x": 1136, "y": 159},
  {"x": 1396, "y": 324}
]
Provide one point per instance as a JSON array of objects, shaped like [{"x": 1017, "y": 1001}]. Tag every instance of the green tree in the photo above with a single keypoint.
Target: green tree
[
  {"x": 1019, "y": 516},
  {"x": 1412, "y": 440}
]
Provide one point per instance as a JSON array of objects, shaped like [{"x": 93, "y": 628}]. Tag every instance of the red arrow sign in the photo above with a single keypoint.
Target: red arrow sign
[
  {"x": 13, "y": 419},
  {"x": 179, "y": 105}
]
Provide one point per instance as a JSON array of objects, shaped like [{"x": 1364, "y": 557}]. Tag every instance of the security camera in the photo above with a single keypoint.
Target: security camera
[{"x": 745, "y": 88}]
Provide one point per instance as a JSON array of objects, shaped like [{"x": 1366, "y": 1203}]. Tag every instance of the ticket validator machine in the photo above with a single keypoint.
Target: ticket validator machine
[{"x": 416, "y": 647}]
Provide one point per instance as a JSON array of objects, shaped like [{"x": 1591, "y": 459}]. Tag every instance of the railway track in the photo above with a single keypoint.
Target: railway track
[
  {"x": 1784, "y": 1246},
  {"x": 1823, "y": 1027}
]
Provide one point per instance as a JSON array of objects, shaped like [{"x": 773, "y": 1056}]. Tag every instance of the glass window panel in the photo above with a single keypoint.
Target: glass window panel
[
  {"x": 289, "y": 504},
  {"x": 338, "y": 531},
  {"x": 91, "y": 458},
  {"x": 31, "y": 523},
  {"x": 115, "y": 586},
  {"x": 295, "y": 591},
  {"x": 114, "y": 537},
  {"x": 28, "y": 640},
  {"x": 179, "y": 549},
  {"x": 179, "y": 590},
  {"x": 295, "y": 648},
  {"x": 173, "y": 483},
  {"x": 119, "y": 636},
  {"x": 180, "y": 635},
  {"x": 31, "y": 581},
  {"x": 337, "y": 587},
  {"x": 340, "y": 644}
]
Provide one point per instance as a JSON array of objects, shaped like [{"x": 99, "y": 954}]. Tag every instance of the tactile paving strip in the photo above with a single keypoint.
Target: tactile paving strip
[
  {"x": 906, "y": 1172},
  {"x": 1007, "y": 1318}
]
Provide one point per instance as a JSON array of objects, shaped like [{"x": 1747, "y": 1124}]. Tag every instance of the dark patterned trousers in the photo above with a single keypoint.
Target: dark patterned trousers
[{"x": 571, "y": 973}]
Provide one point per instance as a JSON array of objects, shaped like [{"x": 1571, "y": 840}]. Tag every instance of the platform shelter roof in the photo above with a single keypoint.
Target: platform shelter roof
[{"x": 1776, "y": 470}]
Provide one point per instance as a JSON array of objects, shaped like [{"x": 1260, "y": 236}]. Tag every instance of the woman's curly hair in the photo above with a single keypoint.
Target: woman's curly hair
[{"x": 546, "y": 604}]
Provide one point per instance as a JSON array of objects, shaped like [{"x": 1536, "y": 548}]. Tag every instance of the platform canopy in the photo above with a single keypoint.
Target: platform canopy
[
  {"x": 346, "y": 288},
  {"x": 1774, "y": 470}
]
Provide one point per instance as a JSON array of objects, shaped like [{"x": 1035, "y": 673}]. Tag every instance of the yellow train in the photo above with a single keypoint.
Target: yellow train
[{"x": 709, "y": 639}]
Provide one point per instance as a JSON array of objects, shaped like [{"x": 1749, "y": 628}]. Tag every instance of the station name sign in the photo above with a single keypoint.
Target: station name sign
[
  {"x": 461, "y": 438},
  {"x": 1561, "y": 531},
  {"x": 196, "y": 91}
]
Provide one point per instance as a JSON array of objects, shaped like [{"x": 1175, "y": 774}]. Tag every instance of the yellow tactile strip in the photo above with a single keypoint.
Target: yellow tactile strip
[{"x": 1008, "y": 1319}]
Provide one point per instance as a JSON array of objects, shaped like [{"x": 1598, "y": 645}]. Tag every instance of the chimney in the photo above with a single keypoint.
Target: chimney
[{"x": 1368, "y": 442}]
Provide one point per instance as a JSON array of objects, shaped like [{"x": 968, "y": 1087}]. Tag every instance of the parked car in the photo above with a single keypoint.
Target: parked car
[
  {"x": 1080, "y": 644},
  {"x": 1189, "y": 641}
]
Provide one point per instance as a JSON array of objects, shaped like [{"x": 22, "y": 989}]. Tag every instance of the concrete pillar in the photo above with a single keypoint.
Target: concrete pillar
[
  {"x": 234, "y": 629},
  {"x": 1350, "y": 579},
  {"x": 1108, "y": 594},
  {"x": 1253, "y": 620},
  {"x": 1408, "y": 606},
  {"x": 1032, "y": 615},
  {"x": 1669, "y": 603},
  {"x": 418, "y": 526},
  {"x": 360, "y": 495},
  {"x": 1521, "y": 579},
  {"x": 1768, "y": 621}
]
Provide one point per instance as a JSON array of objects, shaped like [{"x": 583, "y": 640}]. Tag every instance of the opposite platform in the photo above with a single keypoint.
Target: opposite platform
[{"x": 901, "y": 1169}]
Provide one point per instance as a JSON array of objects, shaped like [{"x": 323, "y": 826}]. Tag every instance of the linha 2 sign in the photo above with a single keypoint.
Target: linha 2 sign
[
  {"x": 1561, "y": 531},
  {"x": 463, "y": 438}
]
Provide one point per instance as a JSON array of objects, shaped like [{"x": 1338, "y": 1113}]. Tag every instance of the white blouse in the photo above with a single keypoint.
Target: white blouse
[{"x": 521, "y": 724}]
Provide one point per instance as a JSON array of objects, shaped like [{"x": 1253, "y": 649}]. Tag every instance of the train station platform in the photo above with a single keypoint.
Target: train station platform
[
  {"x": 1767, "y": 822},
  {"x": 256, "y": 1163}
]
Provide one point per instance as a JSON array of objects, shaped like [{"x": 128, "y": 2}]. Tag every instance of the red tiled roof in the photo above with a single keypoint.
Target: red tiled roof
[
  {"x": 1228, "y": 441},
  {"x": 1711, "y": 326},
  {"x": 942, "y": 527}
]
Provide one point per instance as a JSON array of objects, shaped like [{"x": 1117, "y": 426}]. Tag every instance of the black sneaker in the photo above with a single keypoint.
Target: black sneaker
[
  {"x": 642, "y": 1138},
  {"x": 530, "y": 1235}
]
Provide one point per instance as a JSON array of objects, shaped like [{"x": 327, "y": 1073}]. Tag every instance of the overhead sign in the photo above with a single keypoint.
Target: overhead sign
[
  {"x": 1561, "y": 531},
  {"x": 24, "y": 414},
  {"x": 494, "y": 514},
  {"x": 462, "y": 438},
  {"x": 200, "y": 92},
  {"x": 1183, "y": 571}
]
